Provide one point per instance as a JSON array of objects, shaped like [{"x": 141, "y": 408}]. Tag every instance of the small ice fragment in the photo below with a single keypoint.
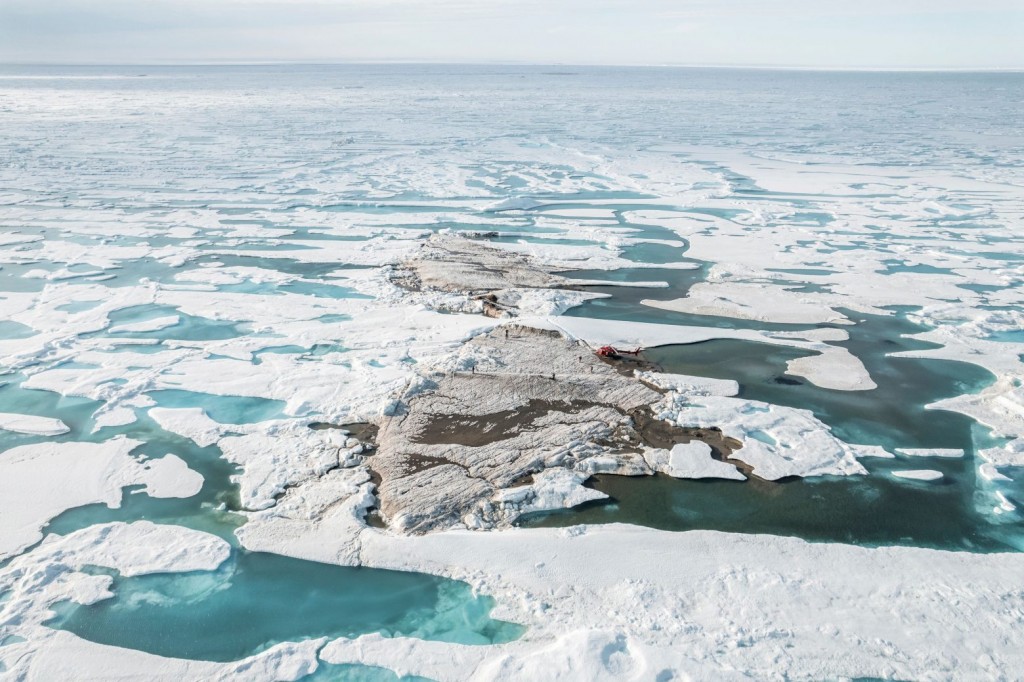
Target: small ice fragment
[
  {"x": 154, "y": 325},
  {"x": 930, "y": 452},
  {"x": 919, "y": 474}
]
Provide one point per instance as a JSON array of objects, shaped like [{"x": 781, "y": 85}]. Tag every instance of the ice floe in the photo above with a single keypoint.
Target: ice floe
[
  {"x": 153, "y": 325},
  {"x": 830, "y": 367},
  {"x": 745, "y": 301},
  {"x": 930, "y": 452},
  {"x": 730, "y": 601},
  {"x": 32, "y": 425},
  {"x": 41, "y": 480},
  {"x": 919, "y": 474},
  {"x": 691, "y": 460}
]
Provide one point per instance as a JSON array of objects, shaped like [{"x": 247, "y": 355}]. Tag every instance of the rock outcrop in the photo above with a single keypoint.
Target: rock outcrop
[{"x": 467, "y": 446}]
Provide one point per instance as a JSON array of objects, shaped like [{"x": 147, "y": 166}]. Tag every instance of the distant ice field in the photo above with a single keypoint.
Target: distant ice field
[{"x": 194, "y": 268}]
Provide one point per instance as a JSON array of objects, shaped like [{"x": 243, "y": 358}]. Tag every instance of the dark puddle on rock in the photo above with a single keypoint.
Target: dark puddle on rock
[{"x": 475, "y": 431}]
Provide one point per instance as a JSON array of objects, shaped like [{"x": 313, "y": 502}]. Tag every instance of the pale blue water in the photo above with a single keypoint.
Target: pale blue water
[
  {"x": 223, "y": 409},
  {"x": 256, "y": 600},
  {"x": 190, "y": 327},
  {"x": 1010, "y": 336}
]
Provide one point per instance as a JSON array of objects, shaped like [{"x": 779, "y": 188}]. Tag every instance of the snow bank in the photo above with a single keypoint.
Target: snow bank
[
  {"x": 683, "y": 383},
  {"x": 551, "y": 489}
]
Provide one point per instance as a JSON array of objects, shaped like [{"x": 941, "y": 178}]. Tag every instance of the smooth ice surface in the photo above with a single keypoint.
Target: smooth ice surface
[
  {"x": 919, "y": 474},
  {"x": 37, "y": 482},
  {"x": 32, "y": 425},
  {"x": 692, "y": 460}
]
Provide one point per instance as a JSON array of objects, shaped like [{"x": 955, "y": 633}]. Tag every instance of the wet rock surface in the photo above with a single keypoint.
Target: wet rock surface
[
  {"x": 485, "y": 279},
  {"x": 456, "y": 264}
]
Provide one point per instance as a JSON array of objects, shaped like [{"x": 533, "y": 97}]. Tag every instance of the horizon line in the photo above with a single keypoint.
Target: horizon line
[{"x": 445, "y": 62}]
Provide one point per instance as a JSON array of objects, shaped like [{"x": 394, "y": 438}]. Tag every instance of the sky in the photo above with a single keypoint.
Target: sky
[{"x": 927, "y": 34}]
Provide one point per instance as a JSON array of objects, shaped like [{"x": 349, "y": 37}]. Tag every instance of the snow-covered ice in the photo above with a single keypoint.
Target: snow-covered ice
[
  {"x": 919, "y": 474},
  {"x": 691, "y": 460},
  {"x": 32, "y": 425},
  {"x": 39, "y": 481}
]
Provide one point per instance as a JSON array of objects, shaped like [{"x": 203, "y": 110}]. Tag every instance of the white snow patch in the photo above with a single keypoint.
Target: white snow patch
[
  {"x": 919, "y": 474},
  {"x": 751, "y": 301},
  {"x": 691, "y": 460},
  {"x": 39, "y": 481},
  {"x": 951, "y": 453},
  {"x": 32, "y": 425},
  {"x": 153, "y": 325}
]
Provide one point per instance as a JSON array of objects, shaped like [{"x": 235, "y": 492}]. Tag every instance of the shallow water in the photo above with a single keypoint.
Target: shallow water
[
  {"x": 220, "y": 408},
  {"x": 256, "y": 600},
  {"x": 359, "y": 673}
]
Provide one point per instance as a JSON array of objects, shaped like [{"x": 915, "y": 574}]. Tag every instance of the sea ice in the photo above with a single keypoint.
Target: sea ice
[
  {"x": 919, "y": 474},
  {"x": 691, "y": 460},
  {"x": 39, "y": 481},
  {"x": 153, "y": 325},
  {"x": 745, "y": 301},
  {"x": 32, "y": 424},
  {"x": 930, "y": 452}
]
